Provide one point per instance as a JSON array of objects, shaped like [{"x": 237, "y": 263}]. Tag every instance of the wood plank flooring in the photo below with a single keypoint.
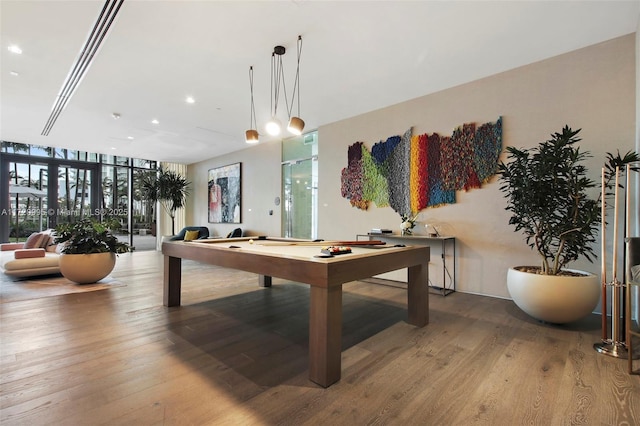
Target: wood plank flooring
[{"x": 236, "y": 354}]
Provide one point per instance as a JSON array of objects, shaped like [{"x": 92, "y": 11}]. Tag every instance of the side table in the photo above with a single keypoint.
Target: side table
[{"x": 448, "y": 284}]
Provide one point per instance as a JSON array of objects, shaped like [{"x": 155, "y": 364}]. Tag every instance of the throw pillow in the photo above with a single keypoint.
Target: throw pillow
[
  {"x": 34, "y": 240},
  {"x": 51, "y": 246},
  {"x": 191, "y": 235},
  {"x": 47, "y": 241},
  {"x": 28, "y": 253},
  {"x": 49, "y": 236}
]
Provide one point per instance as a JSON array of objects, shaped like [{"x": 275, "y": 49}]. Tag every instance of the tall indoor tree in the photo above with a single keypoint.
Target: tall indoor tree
[{"x": 168, "y": 188}]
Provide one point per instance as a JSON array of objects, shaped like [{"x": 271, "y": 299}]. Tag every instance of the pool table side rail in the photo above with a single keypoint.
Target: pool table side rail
[{"x": 317, "y": 272}]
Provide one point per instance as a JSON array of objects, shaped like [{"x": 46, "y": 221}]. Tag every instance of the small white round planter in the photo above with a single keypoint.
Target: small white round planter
[
  {"x": 555, "y": 299},
  {"x": 86, "y": 268}
]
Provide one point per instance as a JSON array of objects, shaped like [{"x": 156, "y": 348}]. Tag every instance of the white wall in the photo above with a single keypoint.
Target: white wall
[
  {"x": 592, "y": 89},
  {"x": 260, "y": 186}
]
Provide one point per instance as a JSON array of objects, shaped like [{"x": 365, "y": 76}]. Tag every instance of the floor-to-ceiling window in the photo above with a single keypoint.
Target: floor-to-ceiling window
[
  {"x": 41, "y": 187},
  {"x": 27, "y": 198},
  {"x": 300, "y": 186},
  {"x": 143, "y": 219}
]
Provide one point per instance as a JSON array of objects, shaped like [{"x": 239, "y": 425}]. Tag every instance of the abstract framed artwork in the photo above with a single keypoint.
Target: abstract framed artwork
[
  {"x": 224, "y": 184},
  {"x": 411, "y": 172}
]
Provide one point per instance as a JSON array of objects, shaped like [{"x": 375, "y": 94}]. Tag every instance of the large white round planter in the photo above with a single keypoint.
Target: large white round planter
[
  {"x": 87, "y": 268},
  {"x": 556, "y": 299}
]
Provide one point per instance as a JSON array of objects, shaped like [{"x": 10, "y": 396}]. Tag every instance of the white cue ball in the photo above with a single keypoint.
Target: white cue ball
[{"x": 250, "y": 241}]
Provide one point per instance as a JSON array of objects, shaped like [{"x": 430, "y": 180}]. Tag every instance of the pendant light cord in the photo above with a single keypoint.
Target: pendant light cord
[
  {"x": 277, "y": 77},
  {"x": 273, "y": 68},
  {"x": 296, "y": 86},
  {"x": 252, "y": 120}
]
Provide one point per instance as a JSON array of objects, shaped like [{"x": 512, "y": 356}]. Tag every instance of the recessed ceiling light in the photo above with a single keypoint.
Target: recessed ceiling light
[
  {"x": 154, "y": 121},
  {"x": 130, "y": 138},
  {"x": 15, "y": 49},
  {"x": 113, "y": 147},
  {"x": 190, "y": 100},
  {"x": 14, "y": 73}
]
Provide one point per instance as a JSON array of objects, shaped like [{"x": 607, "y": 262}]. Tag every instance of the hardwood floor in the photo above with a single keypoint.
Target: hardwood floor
[{"x": 236, "y": 354}]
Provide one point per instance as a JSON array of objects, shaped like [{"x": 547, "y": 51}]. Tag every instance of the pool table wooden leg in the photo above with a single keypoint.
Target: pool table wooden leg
[
  {"x": 264, "y": 280},
  {"x": 325, "y": 335},
  {"x": 418, "y": 295},
  {"x": 172, "y": 281}
]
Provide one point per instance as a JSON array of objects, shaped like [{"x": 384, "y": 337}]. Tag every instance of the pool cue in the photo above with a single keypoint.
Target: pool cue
[{"x": 321, "y": 243}]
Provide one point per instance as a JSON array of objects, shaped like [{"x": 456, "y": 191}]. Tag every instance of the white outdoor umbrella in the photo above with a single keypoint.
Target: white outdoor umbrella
[{"x": 26, "y": 191}]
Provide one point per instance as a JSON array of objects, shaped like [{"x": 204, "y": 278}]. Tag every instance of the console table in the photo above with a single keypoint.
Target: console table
[{"x": 448, "y": 284}]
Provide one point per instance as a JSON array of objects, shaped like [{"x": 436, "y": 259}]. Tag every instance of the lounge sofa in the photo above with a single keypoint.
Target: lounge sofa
[
  {"x": 202, "y": 233},
  {"x": 37, "y": 256}
]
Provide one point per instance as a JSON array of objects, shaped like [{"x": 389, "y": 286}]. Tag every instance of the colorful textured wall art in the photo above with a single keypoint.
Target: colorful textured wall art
[{"x": 412, "y": 172}]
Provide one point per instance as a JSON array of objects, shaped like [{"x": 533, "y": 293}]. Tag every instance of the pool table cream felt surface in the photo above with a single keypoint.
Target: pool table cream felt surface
[
  {"x": 286, "y": 248},
  {"x": 274, "y": 257}
]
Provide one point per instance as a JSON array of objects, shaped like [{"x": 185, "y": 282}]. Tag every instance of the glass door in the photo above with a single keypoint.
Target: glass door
[
  {"x": 28, "y": 201},
  {"x": 300, "y": 190},
  {"x": 143, "y": 213},
  {"x": 76, "y": 193},
  {"x": 300, "y": 186}
]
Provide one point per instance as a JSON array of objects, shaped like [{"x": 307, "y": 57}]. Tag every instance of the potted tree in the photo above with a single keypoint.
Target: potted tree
[
  {"x": 89, "y": 249},
  {"x": 168, "y": 188},
  {"x": 547, "y": 191}
]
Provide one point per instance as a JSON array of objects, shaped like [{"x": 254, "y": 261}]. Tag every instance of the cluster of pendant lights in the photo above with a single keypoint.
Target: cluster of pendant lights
[{"x": 273, "y": 126}]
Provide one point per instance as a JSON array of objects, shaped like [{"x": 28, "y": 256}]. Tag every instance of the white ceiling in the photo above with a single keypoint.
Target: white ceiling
[{"x": 357, "y": 56}]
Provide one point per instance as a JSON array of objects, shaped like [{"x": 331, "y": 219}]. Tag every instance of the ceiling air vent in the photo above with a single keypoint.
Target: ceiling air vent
[{"x": 82, "y": 63}]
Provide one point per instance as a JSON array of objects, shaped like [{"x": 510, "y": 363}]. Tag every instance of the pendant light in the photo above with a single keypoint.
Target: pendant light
[
  {"x": 296, "y": 124},
  {"x": 251, "y": 135},
  {"x": 273, "y": 125}
]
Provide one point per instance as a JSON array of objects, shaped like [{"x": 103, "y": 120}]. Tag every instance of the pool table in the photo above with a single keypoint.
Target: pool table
[{"x": 296, "y": 260}]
